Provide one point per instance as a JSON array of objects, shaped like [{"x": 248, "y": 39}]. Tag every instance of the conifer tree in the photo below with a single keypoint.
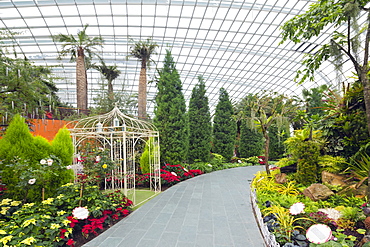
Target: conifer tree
[
  {"x": 224, "y": 127},
  {"x": 251, "y": 141},
  {"x": 170, "y": 114},
  {"x": 277, "y": 137},
  {"x": 200, "y": 127},
  {"x": 62, "y": 147}
]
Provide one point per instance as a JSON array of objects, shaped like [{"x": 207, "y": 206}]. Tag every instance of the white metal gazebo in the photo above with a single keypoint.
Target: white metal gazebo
[{"x": 124, "y": 137}]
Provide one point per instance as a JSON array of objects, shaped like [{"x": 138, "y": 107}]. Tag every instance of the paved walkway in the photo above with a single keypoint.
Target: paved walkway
[{"x": 213, "y": 209}]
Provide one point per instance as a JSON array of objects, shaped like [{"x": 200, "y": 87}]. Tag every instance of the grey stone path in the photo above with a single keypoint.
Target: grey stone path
[{"x": 213, "y": 209}]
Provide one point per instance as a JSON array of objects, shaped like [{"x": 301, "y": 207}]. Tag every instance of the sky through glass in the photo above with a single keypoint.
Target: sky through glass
[{"x": 232, "y": 44}]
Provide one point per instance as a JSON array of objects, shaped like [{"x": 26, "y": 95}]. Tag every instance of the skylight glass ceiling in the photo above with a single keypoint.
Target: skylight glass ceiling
[{"x": 232, "y": 44}]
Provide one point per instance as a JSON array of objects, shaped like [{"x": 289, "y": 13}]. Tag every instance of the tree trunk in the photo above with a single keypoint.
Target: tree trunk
[
  {"x": 364, "y": 78},
  {"x": 142, "y": 94},
  {"x": 81, "y": 80},
  {"x": 267, "y": 147},
  {"x": 110, "y": 90}
]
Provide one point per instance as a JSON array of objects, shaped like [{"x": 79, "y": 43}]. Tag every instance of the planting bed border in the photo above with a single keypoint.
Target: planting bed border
[{"x": 268, "y": 237}]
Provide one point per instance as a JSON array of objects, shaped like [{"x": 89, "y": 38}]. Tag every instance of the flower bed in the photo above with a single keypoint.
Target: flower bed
[
  {"x": 288, "y": 218},
  {"x": 53, "y": 222}
]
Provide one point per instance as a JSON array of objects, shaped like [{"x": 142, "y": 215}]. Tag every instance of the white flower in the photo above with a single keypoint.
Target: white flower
[
  {"x": 331, "y": 212},
  {"x": 69, "y": 167},
  {"x": 174, "y": 173},
  {"x": 98, "y": 158},
  {"x": 43, "y": 162},
  {"x": 80, "y": 213},
  {"x": 239, "y": 161},
  {"x": 50, "y": 162},
  {"x": 186, "y": 170},
  {"x": 209, "y": 165},
  {"x": 32, "y": 181}
]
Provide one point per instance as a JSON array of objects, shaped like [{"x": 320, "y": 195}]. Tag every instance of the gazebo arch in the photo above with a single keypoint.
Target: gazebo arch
[{"x": 124, "y": 137}]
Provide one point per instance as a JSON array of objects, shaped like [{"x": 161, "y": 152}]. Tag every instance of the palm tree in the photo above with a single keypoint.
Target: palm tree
[
  {"x": 77, "y": 47},
  {"x": 143, "y": 50},
  {"x": 110, "y": 73}
]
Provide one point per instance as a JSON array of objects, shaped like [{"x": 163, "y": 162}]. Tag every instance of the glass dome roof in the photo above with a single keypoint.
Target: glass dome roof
[{"x": 232, "y": 43}]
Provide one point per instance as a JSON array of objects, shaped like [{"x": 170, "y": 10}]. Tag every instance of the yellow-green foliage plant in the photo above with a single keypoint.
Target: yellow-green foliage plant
[
  {"x": 285, "y": 219},
  {"x": 289, "y": 188},
  {"x": 332, "y": 164},
  {"x": 305, "y": 148},
  {"x": 24, "y": 158},
  {"x": 62, "y": 147},
  {"x": 264, "y": 182},
  {"x": 148, "y": 153}
]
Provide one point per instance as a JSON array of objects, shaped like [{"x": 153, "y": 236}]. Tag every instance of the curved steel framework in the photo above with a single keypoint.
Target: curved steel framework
[
  {"x": 124, "y": 137},
  {"x": 233, "y": 44}
]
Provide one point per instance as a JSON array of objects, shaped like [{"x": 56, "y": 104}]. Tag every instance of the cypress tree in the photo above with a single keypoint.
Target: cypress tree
[
  {"x": 277, "y": 138},
  {"x": 200, "y": 127},
  {"x": 224, "y": 127},
  {"x": 251, "y": 141},
  {"x": 170, "y": 113}
]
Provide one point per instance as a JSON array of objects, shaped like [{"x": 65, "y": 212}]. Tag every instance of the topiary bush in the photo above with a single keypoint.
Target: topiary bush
[
  {"x": 308, "y": 170},
  {"x": 146, "y": 155},
  {"x": 32, "y": 168}
]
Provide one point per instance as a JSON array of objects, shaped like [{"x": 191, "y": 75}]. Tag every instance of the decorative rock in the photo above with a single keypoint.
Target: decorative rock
[
  {"x": 318, "y": 192},
  {"x": 364, "y": 240},
  {"x": 354, "y": 190},
  {"x": 333, "y": 179},
  {"x": 281, "y": 178}
]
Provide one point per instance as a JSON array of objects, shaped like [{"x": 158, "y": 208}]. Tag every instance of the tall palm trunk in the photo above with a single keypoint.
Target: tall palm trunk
[
  {"x": 142, "y": 91},
  {"x": 81, "y": 80},
  {"x": 110, "y": 90}
]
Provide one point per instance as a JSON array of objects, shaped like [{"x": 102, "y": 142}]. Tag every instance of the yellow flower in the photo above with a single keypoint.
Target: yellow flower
[
  {"x": 69, "y": 231},
  {"x": 54, "y": 226},
  {"x": 60, "y": 196},
  {"x": 28, "y": 241},
  {"x": 104, "y": 166},
  {"x": 5, "y": 202},
  {"x": 2, "y": 232},
  {"x": 28, "y": 222},
  {"x": 68, "y": 184},
  {"x": 48, "y": 201},
  {"x": 65, "y": 222},
  {"x": 46, "y": 216},
  {"x": 60, "y": 213},
  {"x": 6, "y": 239},
  {"x": 28, "y": 205},
  {"x": 15, "y": 203},
  {"x": 4, "y": 210}
]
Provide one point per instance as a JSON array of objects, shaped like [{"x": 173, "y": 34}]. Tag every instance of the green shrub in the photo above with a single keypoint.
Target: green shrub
[
  {"x": 308, "y": 153},
  {"x": 21, "y": 154},
  {"x": 146, "y": 155},
  {"x": 305, "y": 147},
  {"x": 332, "y": 164},
  {"x": 285, "y": 162}
]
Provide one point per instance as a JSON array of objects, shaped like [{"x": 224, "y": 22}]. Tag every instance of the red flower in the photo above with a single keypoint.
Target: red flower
[
  {"x": 62, "y": 232},
  {"x": 71, "y": 242},
  {"x": 72, "y": 220},
  {"x": 107, "y": 212}
]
